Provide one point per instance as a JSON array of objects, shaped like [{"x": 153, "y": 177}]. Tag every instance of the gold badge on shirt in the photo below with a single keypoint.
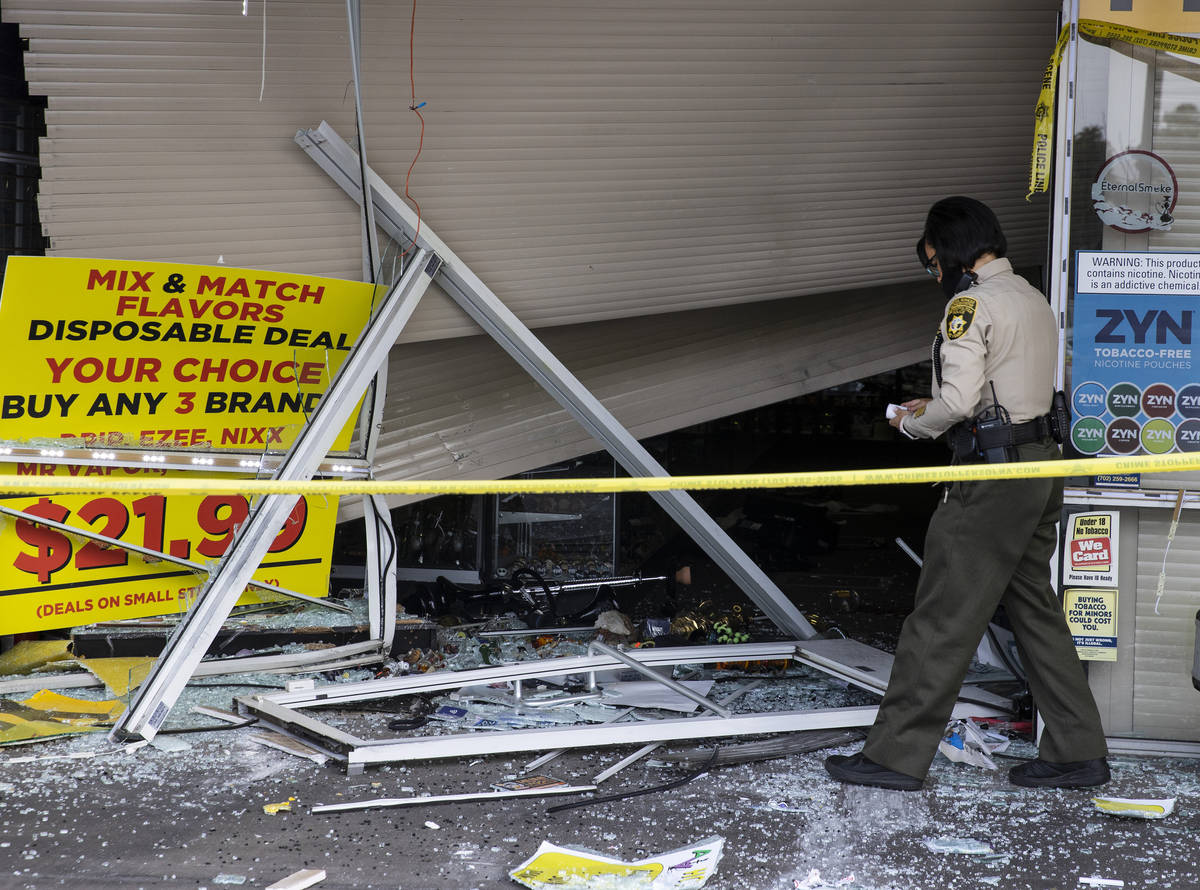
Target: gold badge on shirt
[{"x": 959, "y": 316}]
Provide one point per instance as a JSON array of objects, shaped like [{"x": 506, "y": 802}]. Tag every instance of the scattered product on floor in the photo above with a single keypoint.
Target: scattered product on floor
[
  {"x": 967, "y": 742},
  {"x": 685, "y": 868},
  {"x": 529, "y": 783},
  {"x": 814, "y": 881},
  {"x": 1136, "y": 808},
  {"x": 299, "y": 880}
]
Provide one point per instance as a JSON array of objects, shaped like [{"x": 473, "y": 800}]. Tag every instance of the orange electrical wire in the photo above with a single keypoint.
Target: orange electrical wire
[{"x": 414, "y": 108}]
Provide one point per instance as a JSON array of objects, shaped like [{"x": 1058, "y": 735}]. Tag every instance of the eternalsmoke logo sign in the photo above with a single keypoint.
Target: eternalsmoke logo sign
[{"x": 1135, "y": 191}]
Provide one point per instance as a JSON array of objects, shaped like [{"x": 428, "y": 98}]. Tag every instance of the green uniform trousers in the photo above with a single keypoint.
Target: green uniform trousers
[{"x": 989, "y": 543}]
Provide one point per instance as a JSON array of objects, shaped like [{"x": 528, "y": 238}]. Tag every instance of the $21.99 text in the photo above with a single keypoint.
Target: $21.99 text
[{"x": 218, "y": 516}]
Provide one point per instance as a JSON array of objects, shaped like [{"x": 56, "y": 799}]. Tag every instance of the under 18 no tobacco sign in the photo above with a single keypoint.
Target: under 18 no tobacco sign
[{"x": 125, "y": 354}]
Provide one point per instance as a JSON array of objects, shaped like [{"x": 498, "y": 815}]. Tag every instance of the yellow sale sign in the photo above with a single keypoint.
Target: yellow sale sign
[
  {"x": 50, "y": 578},
  {"x": 119, "y": 353},
  {"x": 132, "y": 354}
]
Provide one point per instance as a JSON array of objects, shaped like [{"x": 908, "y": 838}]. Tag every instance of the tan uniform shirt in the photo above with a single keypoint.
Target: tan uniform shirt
[{"x": 1002, "y": 331}]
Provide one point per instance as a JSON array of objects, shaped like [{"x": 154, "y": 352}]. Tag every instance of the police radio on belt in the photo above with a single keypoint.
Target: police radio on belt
[{"x": 992, "y": 436}]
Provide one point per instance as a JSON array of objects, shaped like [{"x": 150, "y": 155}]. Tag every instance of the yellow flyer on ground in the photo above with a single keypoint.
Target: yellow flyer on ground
[
  {"x": 553, "y": 867},
  {"x": 50, "y": 578},
  {"x": 132, "y": 354}
]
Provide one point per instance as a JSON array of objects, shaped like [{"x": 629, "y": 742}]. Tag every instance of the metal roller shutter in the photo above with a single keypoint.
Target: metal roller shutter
[
  {"x": 591, "y": 162},
  {"x": 463, "y": 409}
]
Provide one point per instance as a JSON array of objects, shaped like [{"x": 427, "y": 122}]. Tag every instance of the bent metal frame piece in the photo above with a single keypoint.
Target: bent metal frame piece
[
  {"x": 345, "y": 167},
  {"x": 329, "y": 151},
  {"x": 216, "y": 597},
  {"x": 282, "y": 710},
  {"x": 377, "y": 517}
]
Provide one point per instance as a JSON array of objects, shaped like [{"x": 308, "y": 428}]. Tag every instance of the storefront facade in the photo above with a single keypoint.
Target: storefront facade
[{"x": 1126, "y": 280}]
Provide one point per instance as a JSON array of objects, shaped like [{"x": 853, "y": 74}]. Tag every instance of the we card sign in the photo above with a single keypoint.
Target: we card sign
[{"x": 1090, "y": 555}]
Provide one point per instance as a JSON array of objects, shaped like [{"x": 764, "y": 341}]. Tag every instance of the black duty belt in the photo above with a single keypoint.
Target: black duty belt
[
  {"x": 992, "y": 441},
  {"x": 1023, "y": 433}
]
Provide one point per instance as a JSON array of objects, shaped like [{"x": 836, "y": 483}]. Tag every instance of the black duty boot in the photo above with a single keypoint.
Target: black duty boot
[
  {"x": 1075, "y": 774},
  {"x": 857, "y": 769}
]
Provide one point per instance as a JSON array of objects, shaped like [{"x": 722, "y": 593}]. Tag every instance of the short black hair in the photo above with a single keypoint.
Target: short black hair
[{"x": 960, "y": 230}]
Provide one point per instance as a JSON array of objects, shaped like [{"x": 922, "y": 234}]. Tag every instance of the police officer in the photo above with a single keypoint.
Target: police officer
[{"x": 989, "y": 542}]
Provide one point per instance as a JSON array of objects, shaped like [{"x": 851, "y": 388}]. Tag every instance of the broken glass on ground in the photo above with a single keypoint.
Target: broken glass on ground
[{"x": 968, "y": 846}]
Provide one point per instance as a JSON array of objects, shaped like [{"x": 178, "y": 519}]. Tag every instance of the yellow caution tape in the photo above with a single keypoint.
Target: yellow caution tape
[
  {"x": 1149, "y": 463},
  {"x": 1168, "y": 43},
  {"x": 1043, "y": 126},
  {"x": 1043, "y": 120}
]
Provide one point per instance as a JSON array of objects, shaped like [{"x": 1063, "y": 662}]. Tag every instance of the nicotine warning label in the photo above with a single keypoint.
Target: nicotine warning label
[{"x": 1090, "y": 556}]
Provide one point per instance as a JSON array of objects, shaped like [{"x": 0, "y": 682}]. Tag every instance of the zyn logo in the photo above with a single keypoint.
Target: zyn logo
[
  {"x": 1158, "y": 436},
  {"x": 1088, "y": 399},
  {"x": 1164, "y": 323},
  {"x": 1123, "y": 435},
  {"x": 1158, "y": 400},
  {"x": 1187, "y": 437},
  {"x": 1188, "y": 401},
  {"x": 1087, "y": 435},
  {"x": 1124, "y": 400}
]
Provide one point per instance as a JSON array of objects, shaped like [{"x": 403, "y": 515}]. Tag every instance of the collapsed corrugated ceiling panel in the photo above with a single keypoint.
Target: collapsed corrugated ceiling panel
[{"x": 463, "y": 409}]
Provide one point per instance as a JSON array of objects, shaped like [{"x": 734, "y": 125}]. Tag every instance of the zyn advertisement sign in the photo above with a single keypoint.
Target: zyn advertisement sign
[{"x": 1133, "y": 373}]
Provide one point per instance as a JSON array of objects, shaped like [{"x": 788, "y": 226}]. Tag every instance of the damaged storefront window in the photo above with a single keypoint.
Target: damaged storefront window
[{"x": 1127, "y": 294}]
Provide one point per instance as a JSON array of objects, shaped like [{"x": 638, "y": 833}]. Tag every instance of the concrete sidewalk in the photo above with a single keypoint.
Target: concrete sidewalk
[{"x": 194, "y": 818}]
